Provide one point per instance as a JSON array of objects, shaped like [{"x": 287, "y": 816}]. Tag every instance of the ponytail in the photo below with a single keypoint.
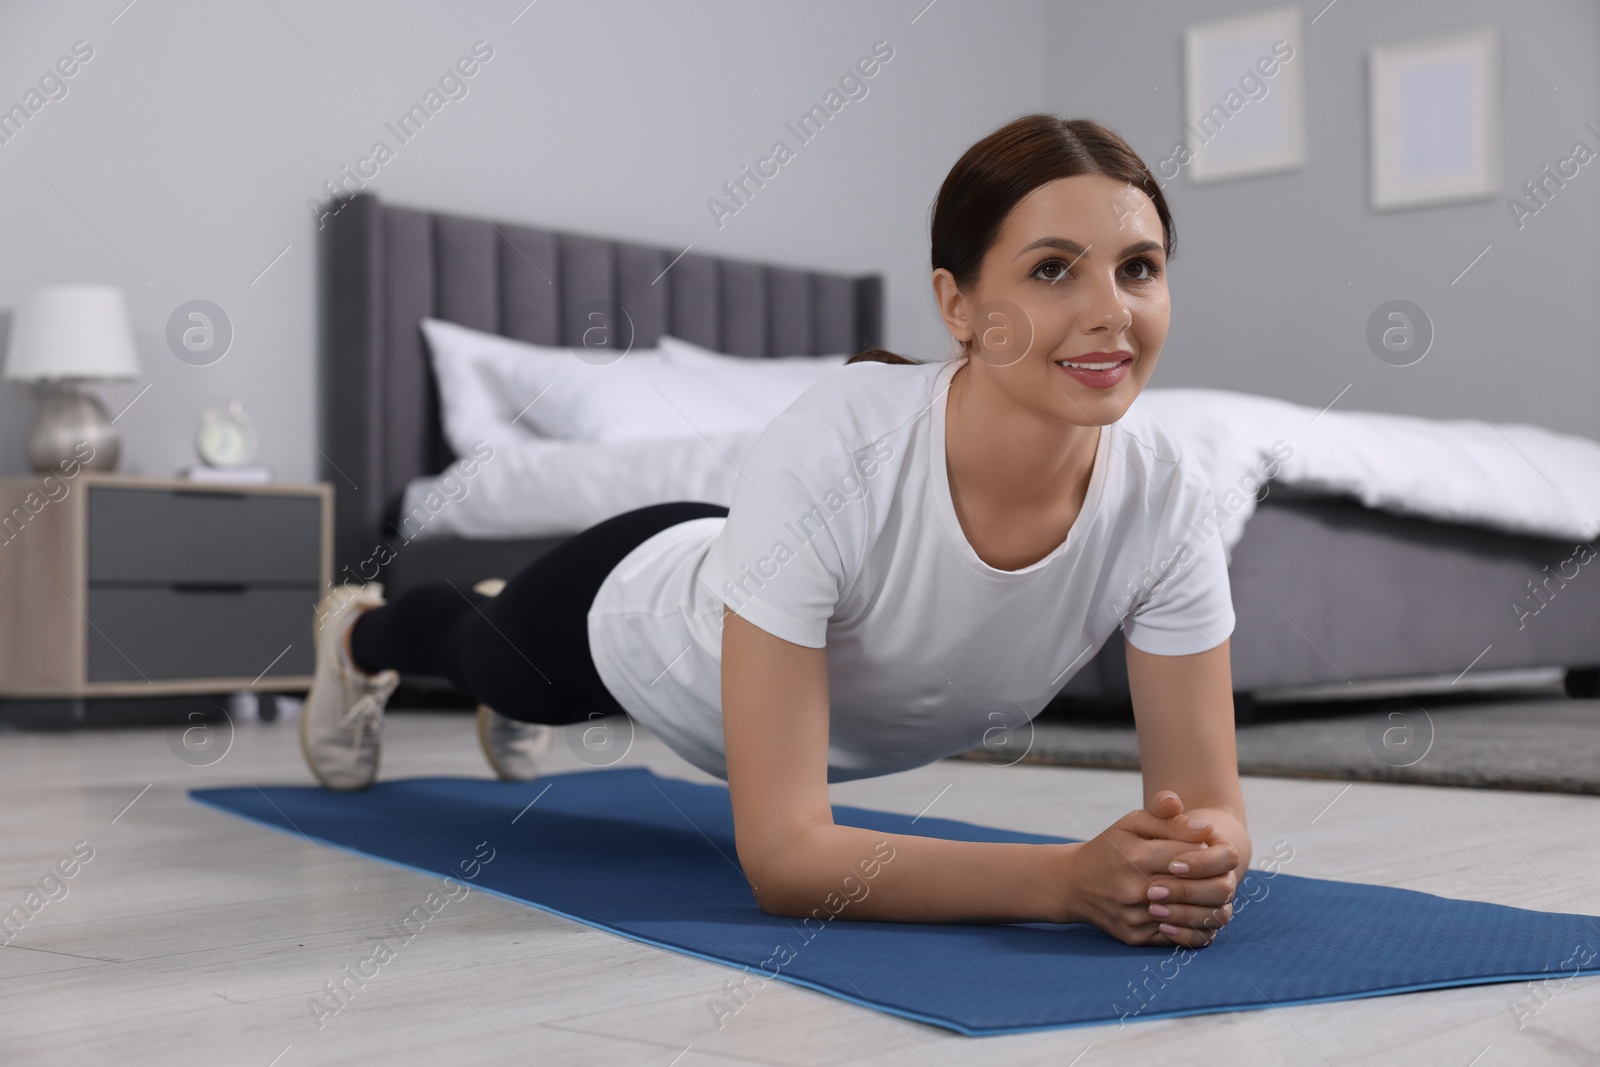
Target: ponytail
[{"x": 879, "y": 355}]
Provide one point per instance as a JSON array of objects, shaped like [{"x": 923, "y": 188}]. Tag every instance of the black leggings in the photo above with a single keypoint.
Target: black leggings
[{"x": 525, "y": 653}]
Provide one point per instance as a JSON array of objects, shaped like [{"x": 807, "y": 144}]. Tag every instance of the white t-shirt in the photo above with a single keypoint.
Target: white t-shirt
[{"x": 842, "y": 535}]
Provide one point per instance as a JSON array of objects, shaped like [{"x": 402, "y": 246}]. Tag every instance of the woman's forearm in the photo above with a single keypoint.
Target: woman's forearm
[{"x": 829, "y": 871}]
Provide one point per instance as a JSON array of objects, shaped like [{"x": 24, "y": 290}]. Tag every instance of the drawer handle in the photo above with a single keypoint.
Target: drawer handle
[{"x": 209, "y": 587}]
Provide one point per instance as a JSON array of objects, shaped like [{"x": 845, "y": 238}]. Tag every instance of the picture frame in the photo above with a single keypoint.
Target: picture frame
[
  {"x": 1435, "y": 120},
  {"x": 1244, "y": 96}
]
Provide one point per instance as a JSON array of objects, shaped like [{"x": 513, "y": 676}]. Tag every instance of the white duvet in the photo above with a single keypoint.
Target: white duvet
[{"x": 1510, "y": 477}]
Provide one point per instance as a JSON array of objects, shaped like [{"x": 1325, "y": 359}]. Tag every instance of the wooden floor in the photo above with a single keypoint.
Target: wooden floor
[{"x": 192, "y": 937}]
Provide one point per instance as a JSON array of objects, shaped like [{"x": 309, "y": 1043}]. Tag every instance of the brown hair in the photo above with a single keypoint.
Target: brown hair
[{"x": 997, "y": 172}]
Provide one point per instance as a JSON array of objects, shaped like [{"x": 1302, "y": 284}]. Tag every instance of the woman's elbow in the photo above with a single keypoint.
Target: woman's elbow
[
  {"x": 795, "y": 898},
  {"x": 772, "y": 883},
  {"x": 777, "y": 869},
  {"x": 789, "y": 880},
  {"x": 777, "y": 900}
]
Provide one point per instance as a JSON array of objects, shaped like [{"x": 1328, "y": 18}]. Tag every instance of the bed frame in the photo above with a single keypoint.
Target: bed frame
[
  {"x": 1325, "y": 590},
  {"x": 1330, "y": 593},
  {"x": 385, "y": 267}
]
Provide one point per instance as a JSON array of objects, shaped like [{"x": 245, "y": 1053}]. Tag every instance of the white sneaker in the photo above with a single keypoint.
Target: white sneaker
[
  {"x": 511, "y": 746},
  {"x": 341, "y": 725}
]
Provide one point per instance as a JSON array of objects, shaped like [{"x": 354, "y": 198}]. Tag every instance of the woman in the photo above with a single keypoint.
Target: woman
[{"x": 909, "y": 546}]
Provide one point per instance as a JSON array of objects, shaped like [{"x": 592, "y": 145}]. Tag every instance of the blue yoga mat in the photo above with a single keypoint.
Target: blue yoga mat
[{"x": 653, "y": 859}]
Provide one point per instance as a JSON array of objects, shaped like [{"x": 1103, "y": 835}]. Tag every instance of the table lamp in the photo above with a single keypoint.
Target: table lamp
[{"x": 62, "y": 335}]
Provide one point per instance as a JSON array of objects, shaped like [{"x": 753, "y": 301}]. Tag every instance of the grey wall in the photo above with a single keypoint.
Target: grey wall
[
  {"x": 192, "y": 140},
  {"x": 1257, "y": 307},
  {"x": 180, "y": 161}
]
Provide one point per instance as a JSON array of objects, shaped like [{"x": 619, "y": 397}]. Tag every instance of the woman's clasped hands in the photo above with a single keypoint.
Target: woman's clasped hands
[{"x": 1157, "y": 876}]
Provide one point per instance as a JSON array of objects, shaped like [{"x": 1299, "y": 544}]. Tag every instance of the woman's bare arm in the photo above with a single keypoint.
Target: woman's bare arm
[
  {"x": 800, "y": 863},
  {"x": 1183, "y": 707},
  {"x": 775, "y": 720}
]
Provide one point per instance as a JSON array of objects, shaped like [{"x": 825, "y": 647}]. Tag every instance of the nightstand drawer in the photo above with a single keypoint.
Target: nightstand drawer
[
  {"x": 157, "y": 633},
  {"x": 169, "y": 535}
]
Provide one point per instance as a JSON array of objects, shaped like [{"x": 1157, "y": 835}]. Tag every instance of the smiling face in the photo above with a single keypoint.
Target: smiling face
[{"x": 1071, "y": 308}]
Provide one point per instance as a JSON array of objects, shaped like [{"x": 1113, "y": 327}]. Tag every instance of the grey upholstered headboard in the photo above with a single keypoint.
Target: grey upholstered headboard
[{"x": 386, "y": 267}]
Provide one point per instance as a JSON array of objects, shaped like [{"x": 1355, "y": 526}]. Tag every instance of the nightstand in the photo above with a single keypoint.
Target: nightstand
[{"x": 115, "y": 585}]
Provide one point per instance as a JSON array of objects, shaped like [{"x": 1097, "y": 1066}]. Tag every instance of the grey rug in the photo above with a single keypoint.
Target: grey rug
[{"x": 1545, "y": 744}]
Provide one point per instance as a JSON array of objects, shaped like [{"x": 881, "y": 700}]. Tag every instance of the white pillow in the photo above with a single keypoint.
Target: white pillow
[
  {"x": 470, "y": 408},
  {"x": 486, "y": 381},
  {"x": 764, "y": 387}
]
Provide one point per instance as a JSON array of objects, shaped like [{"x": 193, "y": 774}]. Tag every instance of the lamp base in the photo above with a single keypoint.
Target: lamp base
[{"x": 71, "y": 428}]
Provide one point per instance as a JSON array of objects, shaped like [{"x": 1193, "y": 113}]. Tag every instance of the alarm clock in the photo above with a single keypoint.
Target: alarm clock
[{"x": 225, "y": 437}]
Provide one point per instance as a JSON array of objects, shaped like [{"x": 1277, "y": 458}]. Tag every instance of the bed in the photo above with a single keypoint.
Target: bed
[{"x": 1326, "y": 590}]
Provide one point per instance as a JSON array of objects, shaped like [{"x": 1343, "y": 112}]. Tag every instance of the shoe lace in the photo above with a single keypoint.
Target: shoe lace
[{"x": 367, "y": 711}]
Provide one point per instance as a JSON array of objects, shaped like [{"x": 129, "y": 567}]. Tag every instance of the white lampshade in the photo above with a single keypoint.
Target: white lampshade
[{"x": 71, "y": 331}]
